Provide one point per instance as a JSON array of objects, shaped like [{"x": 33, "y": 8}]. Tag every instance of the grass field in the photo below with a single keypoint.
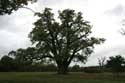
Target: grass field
[{"x": 47, "y": 77}]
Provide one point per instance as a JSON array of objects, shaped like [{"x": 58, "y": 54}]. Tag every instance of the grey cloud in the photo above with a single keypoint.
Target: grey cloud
[
  {"x": 117, "y": 11},
  {"x": 3, "y": 21},
  {"x": 14, "y": 30},
  {"x": 17, "y": 22},
  {"x": 46, "y": 3},
  {"x": 111, "y": 51},
  {"x": 11, "y": 41},
  {"x": 63, "y": 4}
]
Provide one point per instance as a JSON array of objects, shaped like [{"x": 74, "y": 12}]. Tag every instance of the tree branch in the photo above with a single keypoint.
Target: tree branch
[
  {"x": 72, "y": 56},
  {"x": 28, "y": 9}
]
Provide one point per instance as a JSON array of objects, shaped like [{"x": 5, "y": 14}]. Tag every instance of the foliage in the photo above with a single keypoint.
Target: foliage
[
  {"x": 24, "y": 56},
  {"x": 76, "y": 68},
  {"x": 122, "y": 31},
  {"x": 7, "y": 6},
  {"x": 63, "y": 40},
  {"x": 6, "y": 63},
  {"x": 92, "y": 69},
  {"x": 25, "y": 60},
  {"x": 6, "y": 59},
  {"x": 116, "y": 63}
]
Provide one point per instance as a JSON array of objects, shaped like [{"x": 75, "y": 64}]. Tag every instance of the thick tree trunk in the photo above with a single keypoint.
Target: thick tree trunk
[{"x": 63, "y": 69}]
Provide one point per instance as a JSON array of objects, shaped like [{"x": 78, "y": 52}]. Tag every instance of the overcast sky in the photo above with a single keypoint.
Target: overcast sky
[{"x": 105, "y": 15}]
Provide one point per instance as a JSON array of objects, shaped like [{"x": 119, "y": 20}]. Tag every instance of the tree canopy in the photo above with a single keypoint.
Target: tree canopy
[
  {"x": 25, "y": 56},
  {"x": 7, "y": 6},
  {"x": 65, "y": 40}
]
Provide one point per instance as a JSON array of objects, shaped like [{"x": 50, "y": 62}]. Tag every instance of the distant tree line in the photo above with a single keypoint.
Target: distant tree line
[
  {"x": 8, "y": 64},
  {"x": 25, "y": 60},
  {"x": 22, "y": 60}
]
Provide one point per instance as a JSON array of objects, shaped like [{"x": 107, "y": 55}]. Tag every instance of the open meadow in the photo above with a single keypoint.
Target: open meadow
[{"x": 48, "y": 77}]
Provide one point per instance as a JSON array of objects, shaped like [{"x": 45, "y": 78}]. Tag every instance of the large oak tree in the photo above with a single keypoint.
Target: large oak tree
[{"x": 64, "y": 40}]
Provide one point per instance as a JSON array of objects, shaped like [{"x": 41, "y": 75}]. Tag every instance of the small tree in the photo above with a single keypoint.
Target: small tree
[
  {"x": 65, "y": 40},
  {"x": 101, "y": 62},
  {"x": 75, "y": 68},
  {"x": 6, "y": 63},
  {"x": 116, "y": 63}
]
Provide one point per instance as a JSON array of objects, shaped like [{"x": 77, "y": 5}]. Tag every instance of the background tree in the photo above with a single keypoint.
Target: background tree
[
  {"x": 116, "y": 63},
  {"x": 63, "y": 40},
  {"x": 6, "y": 63},
  {"x": 7, "y": 6},
  {"x": 75, "y": 68},
  {"x": 25, "y": 60},
  {"x": 25, "y": 56},
  {"x": 101, "y": 62},
  {"x": 30, "y": 54}
]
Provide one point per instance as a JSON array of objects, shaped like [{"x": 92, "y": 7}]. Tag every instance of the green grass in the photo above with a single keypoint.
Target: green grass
[{"x": 48, "y": 77}]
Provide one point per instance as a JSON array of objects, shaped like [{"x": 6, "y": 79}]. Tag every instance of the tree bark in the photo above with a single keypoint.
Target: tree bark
[{"x": 63, "y": 69}]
